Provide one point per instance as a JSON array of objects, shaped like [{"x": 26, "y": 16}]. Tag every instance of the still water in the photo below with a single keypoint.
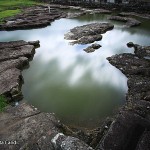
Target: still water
[{"x": 80, "y": 88}]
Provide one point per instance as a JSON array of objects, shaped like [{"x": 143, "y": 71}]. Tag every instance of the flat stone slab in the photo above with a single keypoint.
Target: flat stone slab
[
  {"x": 124, "y": 14},
  {"x": 25, "y": 127},
  {"x": 83, "y": 11},
  {"x": 130, "y": 22},
  {"x": 15, "y": 56},
  {"x": 88, "y": 33},
  {"x": 75, "y": 14},
  {"x": 130, "y": 64},
  {"x": 96, "y": 11},
  {"x": 91, "y": 11},
  {"x": 32, "y": 17}
]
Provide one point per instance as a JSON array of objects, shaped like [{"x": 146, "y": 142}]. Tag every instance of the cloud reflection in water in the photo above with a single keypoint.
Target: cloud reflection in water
[{"x": 81, "y": 88}]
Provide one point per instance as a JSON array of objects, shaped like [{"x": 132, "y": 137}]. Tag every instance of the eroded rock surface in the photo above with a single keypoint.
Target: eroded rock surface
[
  {"x": 130, "y": 22},
  {"x": 32, "y": 17},
  {"x": 130, "y": 129},
  {"x": 88, "y": 34},
  {"x": 84, "y": 31},
  {"x": 14, "y": 57},
  {"x": 140, "y": 51},
  {"x": 28, "y": 128},
  {"x": 83, "y": 34}
]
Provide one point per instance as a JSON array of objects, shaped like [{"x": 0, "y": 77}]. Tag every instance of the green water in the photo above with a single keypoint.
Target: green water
[{"x": 80, "y": 88}]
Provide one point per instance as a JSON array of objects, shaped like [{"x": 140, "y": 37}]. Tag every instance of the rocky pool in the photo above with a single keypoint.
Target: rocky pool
[{"x": 80, "y": 88}]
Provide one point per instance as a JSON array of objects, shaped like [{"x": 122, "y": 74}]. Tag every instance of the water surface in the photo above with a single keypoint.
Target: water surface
[{"x": 81, "y": 88}]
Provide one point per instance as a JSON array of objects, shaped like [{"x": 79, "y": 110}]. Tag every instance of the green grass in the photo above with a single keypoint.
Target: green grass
[
  {"x": 8, "y": 13},
  {"x": 17, "y": 3},
  {"x": 3, "y": 103},
  {"x": 10, "y": 8}
]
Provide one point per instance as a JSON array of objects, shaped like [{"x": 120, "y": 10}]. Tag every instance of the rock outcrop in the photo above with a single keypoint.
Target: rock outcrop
[
  {"x": 92, "y": 48},
  {"x": 130, "y": 22},
  {"x": 124, "y": 14},
  {"x": 14, "y": 57},
  {"x": 24, "y": 127},
  {"x": 140, "y": 51},
  {"x": 96, "y": 11},
  {"x": 130, "y": 129},
  {"x": 32, "y": 17},
  {"x": 88, "y": 34}
]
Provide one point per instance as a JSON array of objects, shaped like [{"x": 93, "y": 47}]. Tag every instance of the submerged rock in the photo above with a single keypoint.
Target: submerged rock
[
  {"x": 32, "y": 17},
  {"x": 92, "y": 48},
  {"x": 130, "y": 22},
  {"x": 15, "y": 56},
  {"x": 88, "y": 33}
]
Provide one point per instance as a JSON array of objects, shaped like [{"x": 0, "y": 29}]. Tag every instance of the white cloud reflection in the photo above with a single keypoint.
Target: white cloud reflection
[
  {"x": 54, "y": 47},
  {"x": 65, "y": 79}
]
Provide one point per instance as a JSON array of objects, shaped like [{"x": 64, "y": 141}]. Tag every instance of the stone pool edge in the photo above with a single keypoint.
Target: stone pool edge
[
  {"x": 28, "y": 127},
  {"x": 44, "y": 131}
]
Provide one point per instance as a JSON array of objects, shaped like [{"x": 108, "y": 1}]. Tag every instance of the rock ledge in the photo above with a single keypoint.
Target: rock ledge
[{"x": 15, "y": 56}]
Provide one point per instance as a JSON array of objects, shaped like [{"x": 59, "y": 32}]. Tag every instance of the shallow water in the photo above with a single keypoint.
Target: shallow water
[{"x": 81, "y": 88}]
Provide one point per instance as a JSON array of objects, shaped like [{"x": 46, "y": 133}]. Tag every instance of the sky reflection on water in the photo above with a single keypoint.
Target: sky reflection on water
[{"x": 81, "y": 88}]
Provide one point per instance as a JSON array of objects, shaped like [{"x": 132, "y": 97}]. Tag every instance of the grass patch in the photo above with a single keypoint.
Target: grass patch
[
  {"x": 8, "y": 13},
  {"x": 16, "y": 3},
  {"x": 10, "y": 8},
  {"x": 3, "y": 103}
]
